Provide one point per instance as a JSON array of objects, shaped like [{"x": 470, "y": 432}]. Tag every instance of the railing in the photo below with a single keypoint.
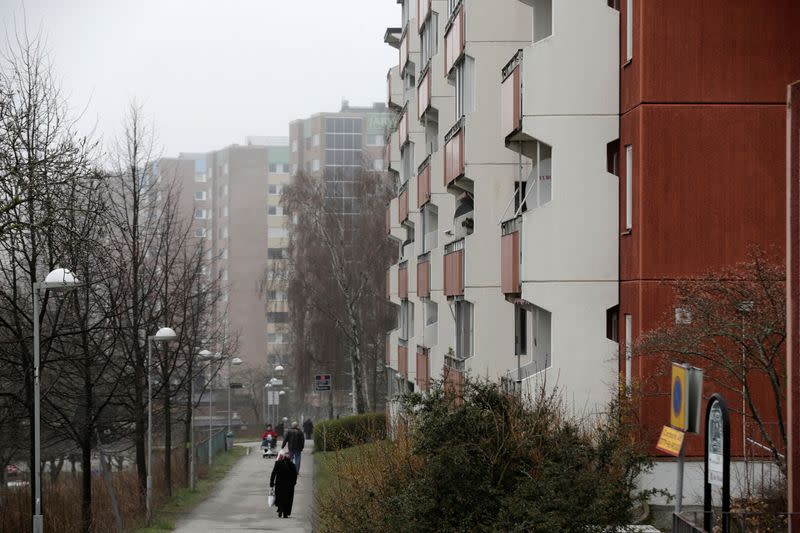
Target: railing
[
  {"x": 402, "y": 204},
  {"x": 423, "y": 368},
  {"x": 402, "y": 128},
  {"x": 454, "y": 268},
  {"x": 454, "y": 246},
  {"x": 402, "y": 280},
  {"x": 402, "y": 360},
  {"x": 403, "y": 50},
  {"x": 510, "y": 260},
  {"x": 511, "y": 96},
  {"x": 510, "y": 226},
  {"x": 735, "y": 522},
  {"x": 454, "y": 38},
  {"x": 424, "y": 91},
  {"x": 454, "y": 153},
  {"x": 424, "y": 276},
  {"x": 424, "y": 182},
  {"x": 217, "y": 445}
]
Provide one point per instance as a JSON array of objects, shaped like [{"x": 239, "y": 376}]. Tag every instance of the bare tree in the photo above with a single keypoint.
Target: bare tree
[
  {"x": 337, "y": 274},
  {"x": 732, "y": 323}
]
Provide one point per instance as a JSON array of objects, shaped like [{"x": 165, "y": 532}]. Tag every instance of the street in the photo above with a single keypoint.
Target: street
[{"x": 239, "y": 502}]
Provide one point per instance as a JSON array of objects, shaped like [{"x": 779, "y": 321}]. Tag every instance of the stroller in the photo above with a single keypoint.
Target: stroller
[{"x": 269, "y": 448}]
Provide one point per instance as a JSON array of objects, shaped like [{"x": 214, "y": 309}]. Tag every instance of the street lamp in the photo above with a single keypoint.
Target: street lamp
[
  {"x": 279, "y": 368},
  {"x": 205, "y": 354},
  {"x": 58, "y": 279},
  {"x": 233, "y": 361},
  {"x": 162, "y": 335}
]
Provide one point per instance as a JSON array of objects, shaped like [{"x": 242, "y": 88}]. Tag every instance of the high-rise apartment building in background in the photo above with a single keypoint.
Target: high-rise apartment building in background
[
  {"x": 233, "y": 198},
  {"x": 558, "y": 161},
  {"x": 336, "y": 147}
]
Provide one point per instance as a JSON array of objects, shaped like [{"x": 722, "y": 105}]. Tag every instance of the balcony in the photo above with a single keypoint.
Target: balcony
[
  {"x": 402, "y": 128},
  {"x": 424, "y": 92},
  {"x": 423, "y": 10},
  {"x": 424, "y": 276},
  {"x": 511, "y": 98},
  {"x": 402, "y": 280},
  {"x": 424, "y": 183},
  {"x": 454, "y": 39},
  {"x": 394, "y": 89},
  {"x": 402, "y": 205},
  {"x": 402, "y": 359},
  {"x": 510, "y": 258},
  {"x": 454, "y": 269},
  {"x": 404, "y": 51},
  {"x": 423, "y": 368},
  {"x": 454, "y": 153}
]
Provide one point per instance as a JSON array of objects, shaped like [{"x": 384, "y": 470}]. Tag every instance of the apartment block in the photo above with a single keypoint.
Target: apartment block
[
  {"x": 559, "y": 163},
  {"x": 232, "y": 196}
]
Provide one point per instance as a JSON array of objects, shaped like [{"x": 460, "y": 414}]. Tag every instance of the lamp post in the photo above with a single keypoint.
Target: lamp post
[
  {"x": 267, "y": 402},
  {"x": 205, "y": 354},
  {"x": 58, "y": 279},
  {"x": 231, "y": 361},
  {"x": 162, "y": 335}
]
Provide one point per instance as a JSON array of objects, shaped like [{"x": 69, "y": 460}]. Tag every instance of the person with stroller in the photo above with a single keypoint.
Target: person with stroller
[
  {"x": 269, "y": 439},
  {"x": 283, "y": 479}
]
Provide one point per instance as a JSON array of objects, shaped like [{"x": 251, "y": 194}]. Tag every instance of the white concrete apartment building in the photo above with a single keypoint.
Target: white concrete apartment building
[
  {"x": 456, "y": 177},
  {"x": 506, "y": 213}
]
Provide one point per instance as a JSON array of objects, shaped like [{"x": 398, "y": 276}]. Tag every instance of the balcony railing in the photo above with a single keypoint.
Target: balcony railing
[
  {"x": 511, "y": 96},
  {"x": 424, "y": 276},
  {"x": 424, "y": 92},
  {"x": 423, "y": 10},
  {"x": 454, "y": 153},
  {"x": 403, "y": 51},
  {"x": 402, "y": 204},
  {"x": 424, "y": 182},
  {"x": 402, "y": 128},
  {"x": 402, "y": 360},
  {"x": 451, "y": 362},
  {"x": 454, "y": 39},
  {"x": 510, "y": 257},
  {"x": 454, "y": 268},
  {"x": 423, "y": 368},
  {"x": 402, "y": 280}
]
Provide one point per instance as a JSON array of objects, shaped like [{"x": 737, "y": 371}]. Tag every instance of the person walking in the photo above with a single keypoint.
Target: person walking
[
  {"x": 296, "y": 441},
  {"x": 283, "y": 479},
  {"x": 279, "y": 429},
  {"x": 308, "y": 428}
]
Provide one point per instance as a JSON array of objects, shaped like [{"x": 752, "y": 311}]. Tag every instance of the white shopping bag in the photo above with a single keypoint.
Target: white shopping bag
[{"x": 271, "y": 498}]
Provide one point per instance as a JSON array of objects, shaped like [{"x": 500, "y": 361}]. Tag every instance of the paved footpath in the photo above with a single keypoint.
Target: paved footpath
[{"x": 239, "y": 501}]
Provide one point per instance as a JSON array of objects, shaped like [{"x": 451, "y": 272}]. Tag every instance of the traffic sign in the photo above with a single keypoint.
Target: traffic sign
[
  {"x": 687, "y": 392},
  {"x": 322, "y": 382},
  {"x": 671, "y": 441}
]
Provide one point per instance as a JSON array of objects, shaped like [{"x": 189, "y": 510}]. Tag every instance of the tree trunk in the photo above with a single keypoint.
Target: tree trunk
[
  {"x": 56, "y": 465},
  {"x": 187, "y": 433},
  {"x": 140, "y": 436},
  {"x": 86, "y": 484},
  {"x": 167, "y": 436}
]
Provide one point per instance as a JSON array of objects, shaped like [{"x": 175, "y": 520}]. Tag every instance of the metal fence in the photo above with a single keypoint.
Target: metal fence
[
  {"x": 683, "y": 524},
  {"x": 217, "y": 446},
  {"x": 735, "y": 522}
]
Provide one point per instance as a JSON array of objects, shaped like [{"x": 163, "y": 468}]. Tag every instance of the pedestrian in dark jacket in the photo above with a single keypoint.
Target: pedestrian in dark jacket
[
  {"x": 279, "y": 429},
  {"x": 308, "y": 428},
  {"x": 296, "y": 441},
  {"x": 283, "y": 479}
]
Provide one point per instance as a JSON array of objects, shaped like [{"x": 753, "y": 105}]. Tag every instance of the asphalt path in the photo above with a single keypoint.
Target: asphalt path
[{"x": 239, "y": 501}]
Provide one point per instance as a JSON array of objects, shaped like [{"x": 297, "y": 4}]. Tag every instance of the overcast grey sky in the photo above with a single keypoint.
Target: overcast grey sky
[{"x": 210, "y": 72}]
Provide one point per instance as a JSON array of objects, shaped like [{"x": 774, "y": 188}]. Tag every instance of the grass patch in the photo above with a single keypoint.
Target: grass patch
[
  {"x": 325, "y": 463},
  {"x": 184, "y": 499}
]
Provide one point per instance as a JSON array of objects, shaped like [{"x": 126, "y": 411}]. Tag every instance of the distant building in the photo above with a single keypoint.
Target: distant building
[{"x": 233, "y": 196}]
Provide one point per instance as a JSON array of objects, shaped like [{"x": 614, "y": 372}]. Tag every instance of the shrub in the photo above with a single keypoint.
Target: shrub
[
  {"x": 349, "y": 431},
  {"x": 482, "y": 460}
]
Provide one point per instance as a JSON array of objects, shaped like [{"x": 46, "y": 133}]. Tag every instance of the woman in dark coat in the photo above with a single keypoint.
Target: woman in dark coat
[{"x": 283, "y": 478}]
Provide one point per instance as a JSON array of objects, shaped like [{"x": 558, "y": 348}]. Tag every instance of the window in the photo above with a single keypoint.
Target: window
[
  {"x": 629, "y": 30},
  {"x": 200, "y": 232},
  {"x": 520, "y": 205},
  {"x": 539, "y": 186},
  {"x": 541, "y": 322},
  {"x": 223, "y": 274},
  {"x": 294, "y": 145},
  {"x": 429, "y": 39},
  {"x": 542, "y": 19},
  {"x": 277, "y": 317},
  {"x": 612, "y": 323},
  {"x": 277, "y": 253},
  {"x": 612, "y": 157},
  {"x": 316, "y": 140},
  {"x": 275, "y": 189},
  {"x": 223, "y": 232},
  {"x": 464, "y": 329},
  {"x": 520, "y": 330},
  {"x": 315, "y": 165},
  {"x": 375, "y": 140},
  {"x": 465, "y": 87},
  {"x": 377, "y": 165},
  {"x": 629, "y": 187},
  {"x": 200, "y": 177},
  {"x": 406, "y": 162},
  {"x": 431, "y": 312},
  {"x": 628, "y": 350},
  {"x": 276, "y": 296},
  {"x": 430, "y": 227},
  {"x": 406, "y": 320},
  {"x": 277, "y": 338},
  {"x": 224, "y": 211},
  {"x": 199, "y": 213}
]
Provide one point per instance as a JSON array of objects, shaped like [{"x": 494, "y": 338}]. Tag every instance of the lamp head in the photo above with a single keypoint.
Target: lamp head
[
  {"x": 279, "y": 368},
  {"x": 204, "y": 354},
  {"x": 165, "y": 334},
  {"x": 60, "y": 278},
  {"x": 236, "y": 361}
]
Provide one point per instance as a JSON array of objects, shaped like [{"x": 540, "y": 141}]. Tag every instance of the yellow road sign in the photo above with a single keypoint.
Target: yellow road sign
[
  {"x": 678, "y": 417},
  {"x": 671, "y": 441}
]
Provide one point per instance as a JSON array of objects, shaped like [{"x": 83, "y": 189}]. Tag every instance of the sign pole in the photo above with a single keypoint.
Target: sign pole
[
  {"x": 679, "y": 483},
  {"x": 717, "y": 460}
]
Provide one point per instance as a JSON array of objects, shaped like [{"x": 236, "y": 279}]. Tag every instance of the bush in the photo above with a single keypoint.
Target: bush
[
  {"x": 349, "y": 431},
  {"x": 482, "y": 460}
]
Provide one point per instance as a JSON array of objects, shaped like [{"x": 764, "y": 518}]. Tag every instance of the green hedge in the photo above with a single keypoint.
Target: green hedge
[{"x": 349, "y": 431}]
